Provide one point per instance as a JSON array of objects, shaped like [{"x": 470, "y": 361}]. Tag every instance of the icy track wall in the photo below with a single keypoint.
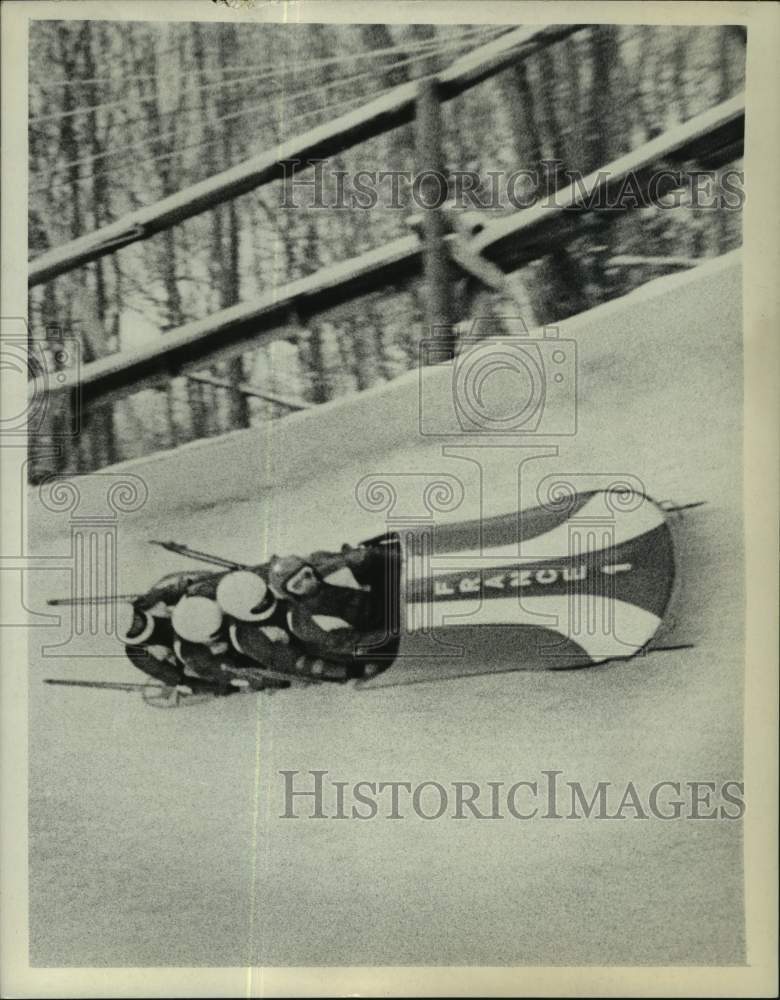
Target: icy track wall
[{"x": 659, "y": 407}]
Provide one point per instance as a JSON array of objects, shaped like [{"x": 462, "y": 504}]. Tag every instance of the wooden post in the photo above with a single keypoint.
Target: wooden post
[{"x": 437, "y": 268}]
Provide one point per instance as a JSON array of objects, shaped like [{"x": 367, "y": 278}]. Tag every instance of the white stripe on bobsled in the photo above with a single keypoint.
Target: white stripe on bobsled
[
  {"x": 602, "y": 626},
  {"x": 594, "y": 528}
]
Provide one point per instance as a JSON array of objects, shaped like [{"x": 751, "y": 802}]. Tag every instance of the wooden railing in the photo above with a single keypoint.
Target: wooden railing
[
  {"x": 710, "y": 139},
  {"x": 394, "y": 108}
]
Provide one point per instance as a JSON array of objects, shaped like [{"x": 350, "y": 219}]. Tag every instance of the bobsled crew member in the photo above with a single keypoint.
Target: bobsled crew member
[
  {"x": 259, "y": 629},
  {"x": 202, "y": 643},
  {"x": 220, "y": 632},
  {"x": 160, "y": 630},
  {"x": 158, "y": 652},
  {"x": 304, "y": 581},
  {"x": 242, "y": 632},
  {"x": 331, "y": 619},
  {"x": 149, "y": 641}
]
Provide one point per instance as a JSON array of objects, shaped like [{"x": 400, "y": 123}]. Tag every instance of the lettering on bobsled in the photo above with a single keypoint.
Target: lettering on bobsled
[
  {"x": 640, "y": 571},
  {"x": 517, "y": 579}
]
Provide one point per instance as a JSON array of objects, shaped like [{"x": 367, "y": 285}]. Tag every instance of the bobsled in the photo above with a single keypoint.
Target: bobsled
[{"x": 568, "y": 584}]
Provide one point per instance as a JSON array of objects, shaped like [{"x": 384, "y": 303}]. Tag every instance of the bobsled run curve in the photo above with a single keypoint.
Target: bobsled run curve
[
  {"x": 660, "y": 407},
  {"x": 440, "y": 639}
]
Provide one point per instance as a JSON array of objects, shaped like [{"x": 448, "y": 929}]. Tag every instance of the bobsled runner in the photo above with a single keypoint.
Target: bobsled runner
[{"x": 564, "y": 585}]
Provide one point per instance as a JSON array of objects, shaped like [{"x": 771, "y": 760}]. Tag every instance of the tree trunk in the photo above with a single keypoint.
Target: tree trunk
[
  {"x": 103, "y": 413},
  {"x": 557, "y": 287}
]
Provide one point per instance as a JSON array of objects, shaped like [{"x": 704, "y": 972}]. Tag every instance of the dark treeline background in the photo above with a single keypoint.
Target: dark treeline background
[{"x": 123, "y": 114}]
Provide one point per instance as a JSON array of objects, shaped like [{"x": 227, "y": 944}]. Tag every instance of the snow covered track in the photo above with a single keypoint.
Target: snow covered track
[{"x": 659, "y": 409}]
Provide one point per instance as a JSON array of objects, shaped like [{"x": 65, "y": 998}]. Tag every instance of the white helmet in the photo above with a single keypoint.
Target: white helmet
[
  {"x": 133, "y": 626},
  {"x": 197, "y": 619},
  {"x": 244, "y": 596}
]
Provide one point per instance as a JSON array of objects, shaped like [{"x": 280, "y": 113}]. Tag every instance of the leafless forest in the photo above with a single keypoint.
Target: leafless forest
[{"x": 124, "y": 114}]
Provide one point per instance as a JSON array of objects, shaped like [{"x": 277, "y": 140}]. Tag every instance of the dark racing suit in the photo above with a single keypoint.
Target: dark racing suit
[
  {"x": 368, "y": 614},
  {"x": 282, "y": 657},
  {"x": 225, "y": 660},
  {"x": 155, "y": 656}
]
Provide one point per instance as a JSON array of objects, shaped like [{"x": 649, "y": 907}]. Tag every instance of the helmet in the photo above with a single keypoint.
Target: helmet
[
  {"x": 134, "y": 626},
  {"x": 292, "y": 575},
  {"x": 245, "y": 596},
  {"x": 197, "y": 619}
]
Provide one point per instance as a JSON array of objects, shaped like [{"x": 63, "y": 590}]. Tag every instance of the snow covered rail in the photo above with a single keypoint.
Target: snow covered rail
[
  {"x": 394, "y": 108},
  {"x": 704, "y": 301},
  {"x": 711, "y": 138}
]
